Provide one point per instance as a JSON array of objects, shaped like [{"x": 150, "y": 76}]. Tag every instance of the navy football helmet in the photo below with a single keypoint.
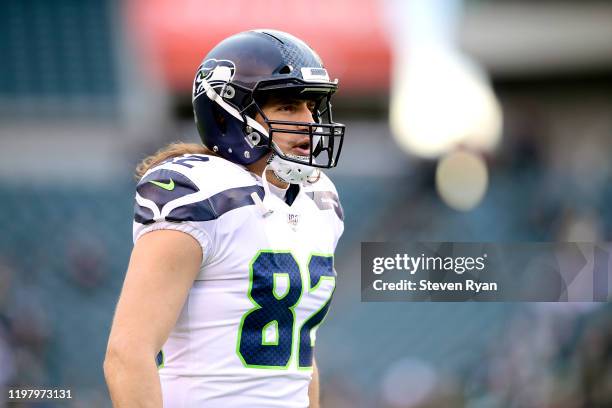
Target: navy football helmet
[{"x": 232, "y": 84}]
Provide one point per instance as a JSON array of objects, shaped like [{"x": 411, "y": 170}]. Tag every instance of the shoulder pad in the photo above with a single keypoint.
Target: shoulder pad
[
  {"x": 324, "y": 194},
  {"x": 192, "y": 188}
]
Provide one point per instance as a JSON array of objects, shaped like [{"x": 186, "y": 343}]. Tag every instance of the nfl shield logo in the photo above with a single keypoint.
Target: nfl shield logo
[{"x": 292, "y": 219}]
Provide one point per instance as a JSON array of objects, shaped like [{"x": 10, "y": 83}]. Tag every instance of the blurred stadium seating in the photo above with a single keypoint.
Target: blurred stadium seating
[{"x": 76, "y": 116}]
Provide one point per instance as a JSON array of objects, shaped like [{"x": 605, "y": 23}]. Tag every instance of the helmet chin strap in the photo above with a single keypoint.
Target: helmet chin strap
[{"x": 289, "y": 172}]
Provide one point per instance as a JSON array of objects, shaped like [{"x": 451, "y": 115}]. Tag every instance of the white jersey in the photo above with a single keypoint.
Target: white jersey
[{"x": 246, "y": 333}]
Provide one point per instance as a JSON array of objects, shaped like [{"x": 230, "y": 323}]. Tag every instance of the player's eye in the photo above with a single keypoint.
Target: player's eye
[{"x": 286, "y": 107}]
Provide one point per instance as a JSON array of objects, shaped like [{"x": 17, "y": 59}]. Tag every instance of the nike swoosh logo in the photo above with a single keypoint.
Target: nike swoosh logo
[{"x": 166, "y": 186}]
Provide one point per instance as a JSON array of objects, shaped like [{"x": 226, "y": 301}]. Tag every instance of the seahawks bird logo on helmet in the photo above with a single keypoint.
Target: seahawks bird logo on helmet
[{"x": 216, "y": 72}]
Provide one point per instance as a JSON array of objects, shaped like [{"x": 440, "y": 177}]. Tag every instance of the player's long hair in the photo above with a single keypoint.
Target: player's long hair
[{"x": 176, "y": 149}]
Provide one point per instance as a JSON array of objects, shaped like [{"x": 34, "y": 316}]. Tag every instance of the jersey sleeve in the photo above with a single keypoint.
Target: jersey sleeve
[{"x": 168, "y": 198}]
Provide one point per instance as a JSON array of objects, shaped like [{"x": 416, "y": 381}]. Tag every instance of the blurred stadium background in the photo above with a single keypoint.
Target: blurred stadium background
[{"x": 90, "y": 87}]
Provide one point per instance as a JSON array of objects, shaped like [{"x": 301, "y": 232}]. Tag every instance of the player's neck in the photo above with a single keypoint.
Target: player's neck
[{"x": 258, "y": 168}]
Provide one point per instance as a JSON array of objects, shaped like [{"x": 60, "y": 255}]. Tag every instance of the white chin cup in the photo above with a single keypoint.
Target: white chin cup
[{"x": 290, "y": 172}]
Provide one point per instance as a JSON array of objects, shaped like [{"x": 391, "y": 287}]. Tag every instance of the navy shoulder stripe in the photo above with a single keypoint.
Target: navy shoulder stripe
[
  {"x": 216, "y": 205},
  {"x": 205, "y": 210},
  {"x": 327, "y": 200},
  {"x": 143, "y": 215}
]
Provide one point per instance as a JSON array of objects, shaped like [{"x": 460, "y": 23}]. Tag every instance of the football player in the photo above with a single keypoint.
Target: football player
[{"x": 232, "y": 270}]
